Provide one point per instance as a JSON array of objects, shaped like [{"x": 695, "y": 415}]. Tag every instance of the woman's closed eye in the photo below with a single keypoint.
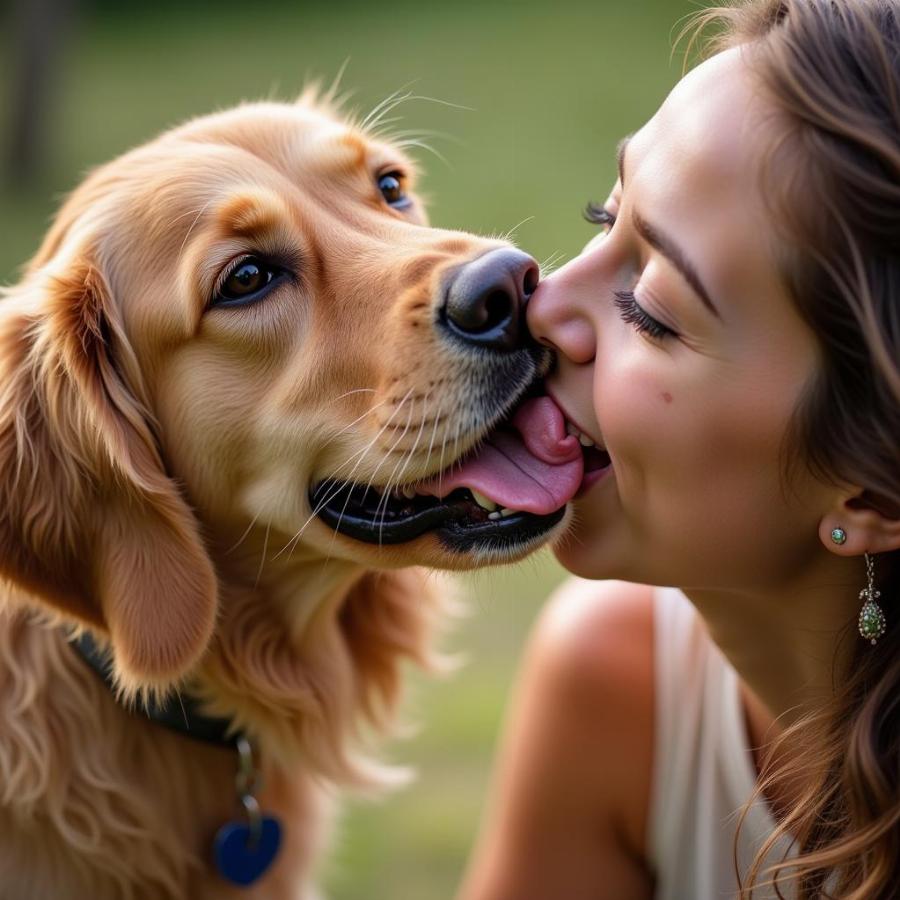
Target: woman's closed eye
[
  {"x": 597, "y": 214},
  {"x": 630, "y": 310},
  {"x": 634, "y": 314}
]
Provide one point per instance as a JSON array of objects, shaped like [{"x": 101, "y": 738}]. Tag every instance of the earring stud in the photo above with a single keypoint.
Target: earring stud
[{"x": 839, "y": 536}]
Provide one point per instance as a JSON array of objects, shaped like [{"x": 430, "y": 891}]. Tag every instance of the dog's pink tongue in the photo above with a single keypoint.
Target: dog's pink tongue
[{"x": 537, "y": 470}]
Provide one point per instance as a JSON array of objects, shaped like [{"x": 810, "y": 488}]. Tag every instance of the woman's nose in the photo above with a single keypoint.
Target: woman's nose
[{"x": 559, "y": 315}]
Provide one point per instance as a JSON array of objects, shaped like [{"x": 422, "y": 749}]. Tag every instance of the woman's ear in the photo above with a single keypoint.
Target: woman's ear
[
  {"x": 91, "y": 525},
  {"x": 861, "y": 522}
]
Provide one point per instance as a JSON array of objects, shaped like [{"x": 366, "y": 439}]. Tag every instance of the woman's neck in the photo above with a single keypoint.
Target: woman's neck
[
  {"x": 791, "y": 645},
  {"x": 791, "y": 648}
]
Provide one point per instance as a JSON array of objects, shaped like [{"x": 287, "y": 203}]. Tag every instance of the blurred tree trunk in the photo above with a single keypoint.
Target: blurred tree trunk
[{"x": 39, "y": 32}]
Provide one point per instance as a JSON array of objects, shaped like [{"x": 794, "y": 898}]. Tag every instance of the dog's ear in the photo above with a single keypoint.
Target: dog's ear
[{"x": 90, "y": 523}]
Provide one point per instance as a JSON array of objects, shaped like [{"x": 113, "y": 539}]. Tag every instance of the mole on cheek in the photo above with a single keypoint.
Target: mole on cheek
[{"x": 666, "y": 396}]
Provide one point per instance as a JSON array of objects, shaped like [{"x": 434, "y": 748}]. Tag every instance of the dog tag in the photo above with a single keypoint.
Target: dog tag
[{"x": 241, "y": 860}]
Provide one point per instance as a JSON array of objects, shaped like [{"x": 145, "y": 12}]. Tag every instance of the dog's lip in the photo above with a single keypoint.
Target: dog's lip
[
  {"x": 521, "y": 470},
  {"x": 458, "y": 520}
]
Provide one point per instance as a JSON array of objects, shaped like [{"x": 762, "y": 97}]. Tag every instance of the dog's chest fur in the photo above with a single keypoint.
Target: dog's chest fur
[{"x": 97, "y": 803}]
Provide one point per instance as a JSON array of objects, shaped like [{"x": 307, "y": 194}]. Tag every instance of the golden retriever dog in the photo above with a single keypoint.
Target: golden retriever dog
[{"x": 243, "y": 390}]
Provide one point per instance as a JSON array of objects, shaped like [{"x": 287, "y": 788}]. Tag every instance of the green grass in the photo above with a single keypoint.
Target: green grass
[{"x": 550, "y": 88}]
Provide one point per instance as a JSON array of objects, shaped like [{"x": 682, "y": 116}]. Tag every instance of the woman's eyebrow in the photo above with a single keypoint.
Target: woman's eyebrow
[
  {"x": 674, "y": 254},
  {"x": 656, "y": 239}
]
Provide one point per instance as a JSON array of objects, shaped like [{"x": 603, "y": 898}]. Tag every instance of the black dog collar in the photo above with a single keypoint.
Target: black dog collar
[
  {"x": 243, "y": 849},
  {"x": 180, "y": 712}
]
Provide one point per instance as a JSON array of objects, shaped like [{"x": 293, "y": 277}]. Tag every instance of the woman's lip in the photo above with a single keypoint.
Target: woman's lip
[
  {"x": 590, "y": 479},
  {"x": 568, "y": 418}
]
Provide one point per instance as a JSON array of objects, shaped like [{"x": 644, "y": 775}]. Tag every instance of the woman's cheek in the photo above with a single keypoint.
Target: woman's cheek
[{"x": 634, "y": 408}]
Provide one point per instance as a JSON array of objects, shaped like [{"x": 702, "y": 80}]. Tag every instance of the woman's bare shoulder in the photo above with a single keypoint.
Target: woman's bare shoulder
[
  {"x": 595, "y": 643},
  {"x": 569, "y": 811},
  {"x": 582, "y": 612}
]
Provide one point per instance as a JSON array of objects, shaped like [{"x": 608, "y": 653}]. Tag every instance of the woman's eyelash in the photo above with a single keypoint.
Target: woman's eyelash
[
  {"x": 597, "y": 214},
  {"x": 634, "y": 315},
  {"x": 629, "y": 309}
]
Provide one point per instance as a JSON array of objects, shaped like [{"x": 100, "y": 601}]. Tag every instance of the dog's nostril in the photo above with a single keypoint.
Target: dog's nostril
[
  {"x": 485, "y": 299},
  {"x": 498, "y": 307},
  {"x": 474, "y": 315},
  {"x": 482, "y": 315}
]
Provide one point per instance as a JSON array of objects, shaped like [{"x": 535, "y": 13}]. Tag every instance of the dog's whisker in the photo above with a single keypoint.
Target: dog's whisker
[
  {"x": 408, "y": 458},
  {"x": 551, "y": 259},
  {"x": 441, "y": 463},
  {"x": 412, "y": 451},
  {"x": 508, "y": 236},
  {"x": 362, "y": 455},
  {"x": 243, "y": 537},
  {"x": 456, "y": 443},
  {"x": 398, "y": 100},
  {"x": 349, "y": 425},
  {"x": 387, "y": 488},
  {"x": 437, "y": 419},
  {"x": 354, "y": 391},
  {"x": 385, "y": 106},
  {"x": 441, "y": 102},
  {"x": 416, "y": 134},
  {"x": 382, "y": 503},
  {"x": 376, "y": 110},
  {"x": 381, "y": 130},
  {"x": 365, "y": 449},
  {"x": 184, "y": 215},
  {"x": 551, "y": 263},
  {"x": 262, "y": 561},
  {"x": 369, "y": 485},
  {"x": 194, "y": 225},
  {"x": 404, "y": 145}
]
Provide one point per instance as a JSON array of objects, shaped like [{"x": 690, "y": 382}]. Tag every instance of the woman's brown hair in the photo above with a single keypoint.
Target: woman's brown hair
[{"x": 832, "y": 179}]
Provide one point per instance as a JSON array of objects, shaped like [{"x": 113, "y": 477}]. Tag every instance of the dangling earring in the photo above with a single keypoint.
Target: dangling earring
[{"x": 872, "y": 623}]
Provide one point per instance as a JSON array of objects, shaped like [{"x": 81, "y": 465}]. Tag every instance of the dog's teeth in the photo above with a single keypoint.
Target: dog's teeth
[
  {"x": 585, "y": 441},
  {"x": 506, "y": 511},
  {"x": 494, "y": 516},
  {"x": 409, "y": 493},
  {"x": 483, "y": 502}
]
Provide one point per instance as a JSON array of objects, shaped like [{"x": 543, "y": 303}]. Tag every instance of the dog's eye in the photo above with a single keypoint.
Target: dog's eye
[
  {"x": 247, "y": 280},
  {"x": 391, "y": 187}
]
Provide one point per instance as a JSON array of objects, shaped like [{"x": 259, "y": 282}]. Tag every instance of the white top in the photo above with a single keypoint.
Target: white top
[{"x": 703, "y": 766}]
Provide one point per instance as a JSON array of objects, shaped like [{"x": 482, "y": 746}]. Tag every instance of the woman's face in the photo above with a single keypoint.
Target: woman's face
[{"x": 681, "y": 354}]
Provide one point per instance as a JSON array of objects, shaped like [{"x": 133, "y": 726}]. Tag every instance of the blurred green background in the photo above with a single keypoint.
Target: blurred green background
[{"x": 549, "y": 87}]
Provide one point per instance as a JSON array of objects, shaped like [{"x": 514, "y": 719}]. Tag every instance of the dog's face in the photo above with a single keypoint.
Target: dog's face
[
  {"x": 256, "y": 317},
  {"x": 286, "y": 302}
]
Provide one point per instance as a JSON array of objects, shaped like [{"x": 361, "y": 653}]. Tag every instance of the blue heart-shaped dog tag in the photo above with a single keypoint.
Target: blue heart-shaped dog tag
[{"x": 241, "y": 860}]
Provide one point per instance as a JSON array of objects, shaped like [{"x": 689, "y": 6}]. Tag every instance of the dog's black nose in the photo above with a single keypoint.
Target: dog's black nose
[{"x": 485, "y": 300}]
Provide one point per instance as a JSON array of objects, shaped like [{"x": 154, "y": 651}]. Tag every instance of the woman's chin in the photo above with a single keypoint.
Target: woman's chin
[{"x": 579, "y": 554}]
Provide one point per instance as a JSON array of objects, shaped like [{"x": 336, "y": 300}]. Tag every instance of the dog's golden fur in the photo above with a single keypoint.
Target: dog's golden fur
[{"x": 156, "y": 456}]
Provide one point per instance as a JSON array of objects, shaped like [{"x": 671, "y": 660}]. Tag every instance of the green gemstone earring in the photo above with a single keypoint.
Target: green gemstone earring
[
  {"x": 872, "y": 623},
  {"x": 839, "y": 536}
]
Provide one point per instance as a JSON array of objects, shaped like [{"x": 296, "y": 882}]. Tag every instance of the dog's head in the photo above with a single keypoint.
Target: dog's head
[{"x": 246, "y": 328}]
